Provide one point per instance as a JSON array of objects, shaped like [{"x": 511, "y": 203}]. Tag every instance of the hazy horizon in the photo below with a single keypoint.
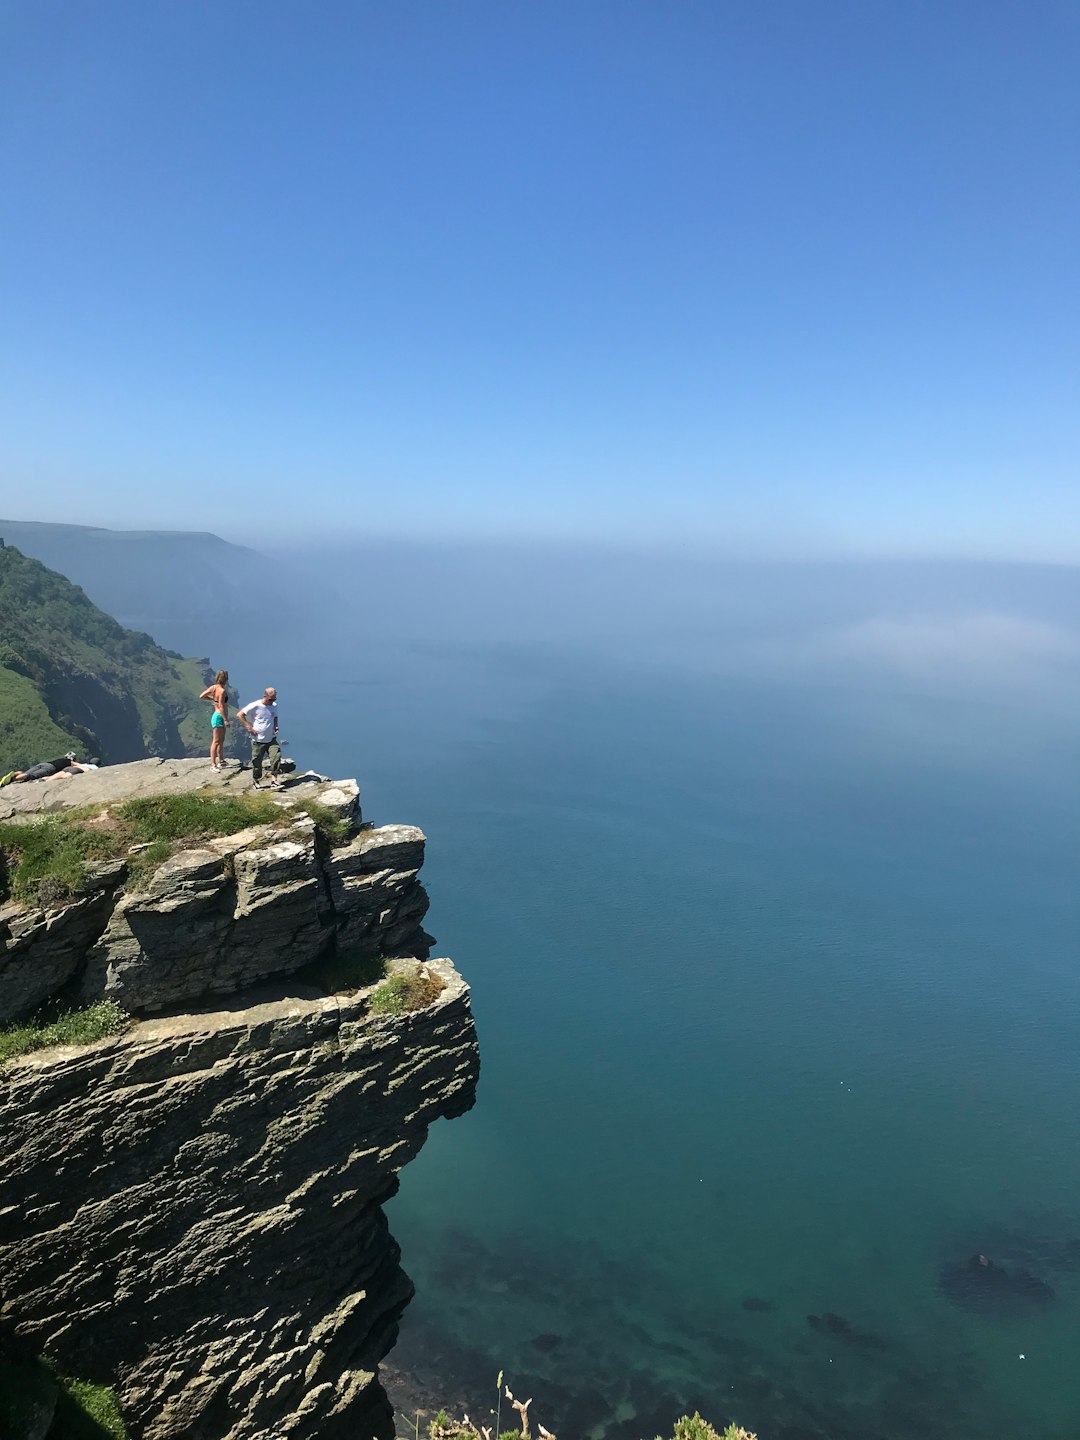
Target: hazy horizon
[{"x": 1006, "y": 633}]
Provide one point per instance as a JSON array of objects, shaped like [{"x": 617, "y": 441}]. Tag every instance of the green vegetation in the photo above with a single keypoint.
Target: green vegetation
[
  {"x": 690, "y": 1427},
  {"x": 193, "y": 726},
  {"x": 86, "y": 1412},
  {"x": 42, "y": 861},
  {"x": 45, "y": 859},
  {"x": 141, "y": 866},
  {"x": 29, "y": 1388},
  {"x": 404, "y": 991},
  {"x": 334, "y": 826},
  {"x": 71, "y": 677},
  {"x": 195, "y": 815},
  {"x": 56, "y": 1026},
  {"x": 693, "y": 1427},
  {"x": 27, "y": 730}
]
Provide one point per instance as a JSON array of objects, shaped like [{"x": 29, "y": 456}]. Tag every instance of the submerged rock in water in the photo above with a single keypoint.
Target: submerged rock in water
[
  {"x": 546, "y": 1342},
  {"x": 837, "y": 1325},
  {"x": 979, "y": 1283},
  {"x": 756, "y": 1305}
]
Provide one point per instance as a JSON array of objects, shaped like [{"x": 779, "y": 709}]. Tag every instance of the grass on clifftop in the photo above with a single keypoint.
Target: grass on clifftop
[
  {"x": 405, "y": 991},
  {"x": 193, "y": 815},
  {"x": 65, "y": 1027},
  {"x": 42, "y": 861}
]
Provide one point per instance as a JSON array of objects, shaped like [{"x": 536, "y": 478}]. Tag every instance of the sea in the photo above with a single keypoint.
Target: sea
[{"x": 773, "y": 945}]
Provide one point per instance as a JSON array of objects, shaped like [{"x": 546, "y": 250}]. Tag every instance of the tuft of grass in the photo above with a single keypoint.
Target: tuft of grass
[
  {"x": 46, "y": 859},
  {"x": 405, "y": 991},
  {"x": 71, "y": 1027},
  {"x": 143, "y": 865},
  {"x": 87, "y": 1412},
  {"x": 334, "y": 826},
  {"x": 194, "y": 815}
]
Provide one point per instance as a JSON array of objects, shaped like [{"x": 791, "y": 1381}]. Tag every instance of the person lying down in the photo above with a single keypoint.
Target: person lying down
[{"x": 49, "y": 770}]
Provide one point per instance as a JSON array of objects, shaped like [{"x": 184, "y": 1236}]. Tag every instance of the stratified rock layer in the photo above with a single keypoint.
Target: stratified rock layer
[
  {"x": 192, "y": 1210},
  {"x": 220, "y": 916}
]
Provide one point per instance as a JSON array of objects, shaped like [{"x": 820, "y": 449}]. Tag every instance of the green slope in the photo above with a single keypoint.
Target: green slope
[{"x": 72, "y": 678}]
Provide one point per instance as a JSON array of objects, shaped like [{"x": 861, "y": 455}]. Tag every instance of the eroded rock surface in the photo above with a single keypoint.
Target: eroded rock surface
[
  {"x": 193, "y": 1209},
  {"x": 221, "y": 915}
]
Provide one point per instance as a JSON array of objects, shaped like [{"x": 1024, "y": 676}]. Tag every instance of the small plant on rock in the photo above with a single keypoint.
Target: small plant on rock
[
  {"x": 71, "y": 1027},
  {"x": 405, "y": 991},
  {"x": 693, "y": 1427},
  {"x": 444, "y": 1427}
]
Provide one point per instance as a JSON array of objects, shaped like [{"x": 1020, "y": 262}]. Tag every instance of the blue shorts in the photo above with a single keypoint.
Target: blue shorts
[{"x": 217, "y": 720}]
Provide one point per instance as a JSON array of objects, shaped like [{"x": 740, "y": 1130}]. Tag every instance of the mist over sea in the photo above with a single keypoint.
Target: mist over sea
[{"x": 765, "y": 880}]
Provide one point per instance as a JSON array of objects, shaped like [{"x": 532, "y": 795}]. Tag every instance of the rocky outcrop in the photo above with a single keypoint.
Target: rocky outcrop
[
  {"x": 374, "y": 891},
  {"x": 191, "y": 1211},
  {"x": 42, "y": 949},
  {"x": 223, "y": 915}
]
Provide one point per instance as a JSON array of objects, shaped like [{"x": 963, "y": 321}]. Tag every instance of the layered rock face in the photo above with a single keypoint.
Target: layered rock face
[
  {"x": 191, "y": 1210},
  {"x": 217, "y": 917}
]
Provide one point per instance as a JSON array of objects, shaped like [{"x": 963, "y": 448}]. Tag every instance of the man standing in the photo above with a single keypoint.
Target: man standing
[{"x": 263, "y": 729}]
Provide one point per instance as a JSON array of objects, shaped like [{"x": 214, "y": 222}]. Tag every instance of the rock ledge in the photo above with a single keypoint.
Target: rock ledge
[{"x": 192, "y": 1211}]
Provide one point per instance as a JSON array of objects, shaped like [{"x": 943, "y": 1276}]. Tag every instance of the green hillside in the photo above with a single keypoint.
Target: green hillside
[{"x": 72, "y": 678}]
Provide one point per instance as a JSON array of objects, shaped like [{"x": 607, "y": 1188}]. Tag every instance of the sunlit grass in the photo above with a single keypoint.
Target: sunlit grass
[{"x": 70, "y": 1027}]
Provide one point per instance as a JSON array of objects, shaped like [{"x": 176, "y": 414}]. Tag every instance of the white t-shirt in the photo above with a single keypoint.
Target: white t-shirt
[{"x": 262, "y": 717}]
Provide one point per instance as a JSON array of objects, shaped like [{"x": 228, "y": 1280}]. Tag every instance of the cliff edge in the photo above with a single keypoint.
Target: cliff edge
[{"x": 191, "y": 1209}]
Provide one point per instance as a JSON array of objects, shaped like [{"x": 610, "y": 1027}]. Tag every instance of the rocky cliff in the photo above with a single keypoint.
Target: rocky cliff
[{"x": 191, "y": 1210}]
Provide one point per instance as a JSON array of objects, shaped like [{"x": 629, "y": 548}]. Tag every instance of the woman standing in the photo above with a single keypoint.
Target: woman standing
[{"x": 218, "y": 695}]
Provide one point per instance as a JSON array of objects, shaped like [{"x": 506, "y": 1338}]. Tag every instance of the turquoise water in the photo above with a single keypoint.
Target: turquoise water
[{"x": 779, "y": 1005}]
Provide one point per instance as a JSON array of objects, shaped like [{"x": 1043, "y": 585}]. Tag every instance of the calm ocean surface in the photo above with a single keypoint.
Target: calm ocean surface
[{"x": 779, "y": 1006}]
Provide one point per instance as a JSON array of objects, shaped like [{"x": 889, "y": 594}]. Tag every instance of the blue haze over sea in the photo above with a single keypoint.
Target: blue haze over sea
[{"x": 765, "y": 880}]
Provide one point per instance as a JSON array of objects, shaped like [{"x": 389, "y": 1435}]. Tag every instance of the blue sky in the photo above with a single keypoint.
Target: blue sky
[{"x": 780, "y": 275}]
